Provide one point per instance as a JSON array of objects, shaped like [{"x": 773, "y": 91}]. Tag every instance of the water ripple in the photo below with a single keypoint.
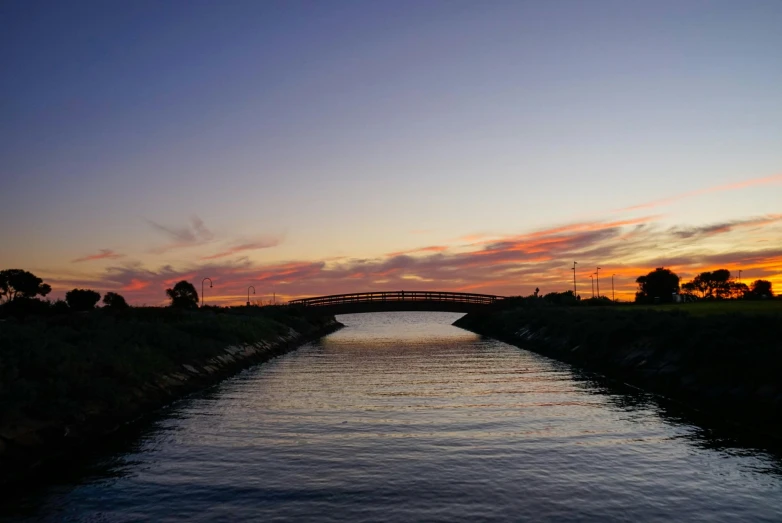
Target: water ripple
[{"x": 402, "y": 417}]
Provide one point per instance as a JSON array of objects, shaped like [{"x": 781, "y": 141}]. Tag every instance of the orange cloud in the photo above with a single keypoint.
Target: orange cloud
[
  {"x": 136, "y": 285},
  {"x": 103, "y": 254},
  {"x": 507, "y": 265}
]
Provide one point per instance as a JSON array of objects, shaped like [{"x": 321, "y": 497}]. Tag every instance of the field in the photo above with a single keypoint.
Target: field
[{"x": 708, "y": 308}]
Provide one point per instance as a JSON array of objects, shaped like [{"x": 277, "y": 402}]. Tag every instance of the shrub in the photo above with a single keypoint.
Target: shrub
[
  {"x": 82, "y": 299},
  {"x": 115, "y": 301}
]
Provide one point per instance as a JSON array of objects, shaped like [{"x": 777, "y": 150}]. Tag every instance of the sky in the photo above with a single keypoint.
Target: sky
[{"x": 310, "y": 148}]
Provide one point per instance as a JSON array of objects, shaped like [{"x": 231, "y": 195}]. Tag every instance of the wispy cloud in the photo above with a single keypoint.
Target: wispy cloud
[
  {"x": 719, "y": 228},
  {"x": 768, "y": 180},
  {"x": 195, "y": 233},
  {"x": 261, "y": 243},
  {"x": 103, "y": 254},
  {"x": 431, "y": 248}
]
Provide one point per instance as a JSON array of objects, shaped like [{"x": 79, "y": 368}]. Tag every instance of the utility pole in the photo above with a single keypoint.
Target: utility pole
[
  {"x": 202, "y": 289},
  {"x": 574, "y": 280},
  {"x": 739, "y": 275},
  {"x": 613, "y": 296},
  {"x": 592, "y": 277},
  {"x": 597, "y": 273},
  {"x": 248, "y": 294}
]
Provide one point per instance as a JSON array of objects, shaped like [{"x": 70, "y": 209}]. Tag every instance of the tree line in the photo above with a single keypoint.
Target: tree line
[
  {"x": 21, "y": 291},
  {"x": 662, "y": 284}
]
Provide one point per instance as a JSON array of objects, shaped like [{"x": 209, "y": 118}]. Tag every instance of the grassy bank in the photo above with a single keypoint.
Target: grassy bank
[
  {"x": 77, "y": 375},
  {"x": 728, "y": 362},
  {"x": 712, "y": 307}
]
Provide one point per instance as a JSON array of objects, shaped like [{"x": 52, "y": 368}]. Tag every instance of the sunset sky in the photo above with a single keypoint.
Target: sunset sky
[{"x": 311, "y": 148}]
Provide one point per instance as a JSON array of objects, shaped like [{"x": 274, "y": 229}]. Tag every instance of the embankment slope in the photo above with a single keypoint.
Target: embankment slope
[
  {"x": 727, "y": 364},
  {"x": 65, "y": 381}
]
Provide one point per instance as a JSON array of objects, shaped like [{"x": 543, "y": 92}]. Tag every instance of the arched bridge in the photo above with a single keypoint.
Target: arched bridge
[{"x": 398, "y": 301}]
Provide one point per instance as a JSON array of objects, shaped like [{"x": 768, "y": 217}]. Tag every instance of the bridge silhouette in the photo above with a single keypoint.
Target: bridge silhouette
[{"x": 398, "y": 301}]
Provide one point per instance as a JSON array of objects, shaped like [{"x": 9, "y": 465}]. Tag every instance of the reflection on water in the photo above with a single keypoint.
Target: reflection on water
[{"x": 402, "y": 417}]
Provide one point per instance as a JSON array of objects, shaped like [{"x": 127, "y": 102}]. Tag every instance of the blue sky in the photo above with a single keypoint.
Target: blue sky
[{"x": 358, "y": 129}]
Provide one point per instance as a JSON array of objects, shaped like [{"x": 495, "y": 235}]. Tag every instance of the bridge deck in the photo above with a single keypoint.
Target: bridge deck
[{"x": 398, "y": 300}]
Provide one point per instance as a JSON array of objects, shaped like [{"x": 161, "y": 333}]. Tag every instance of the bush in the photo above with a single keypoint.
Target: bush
[
  {"x": 82, "y": 299},
  {"x": 115, "y": 301},
  {"x": 23, "y": 307}
]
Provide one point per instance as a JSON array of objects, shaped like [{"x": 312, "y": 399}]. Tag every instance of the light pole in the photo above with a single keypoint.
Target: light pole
[
  {"x": 202, "y": 289},
  {"x": 739, "y": 275},
  {"x": 613, "y": 296},
  {"x": 248, "y": 294},
  {"x": 597, "y": 274},
  {"x": 575, "y": 293},
  {"x": 592, "y": 277}
]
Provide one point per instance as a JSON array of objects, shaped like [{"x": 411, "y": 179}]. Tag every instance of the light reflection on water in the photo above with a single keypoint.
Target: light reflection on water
[{"x": 402, "y": 417}]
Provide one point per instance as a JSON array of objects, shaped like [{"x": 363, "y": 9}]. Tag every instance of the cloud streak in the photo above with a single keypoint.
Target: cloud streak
[
  {"x": 768, "y": 180},
  {"x": 102, "y": 254},
  {"x": 261, "y": 243},
  {"x": 720, "y": 228}
]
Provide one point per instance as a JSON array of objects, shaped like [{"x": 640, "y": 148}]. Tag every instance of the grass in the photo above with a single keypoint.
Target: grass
[{"x": 709, "y": 308}]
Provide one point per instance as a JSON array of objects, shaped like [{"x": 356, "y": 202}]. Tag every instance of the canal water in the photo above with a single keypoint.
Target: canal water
[{"x": 403, "y": 417}]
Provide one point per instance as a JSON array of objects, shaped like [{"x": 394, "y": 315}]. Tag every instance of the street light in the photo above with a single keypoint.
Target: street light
[
  {"x": 592, "y": 277},
  {"x": 248, "y": 294},
  {"x": 613, "y": 296},
  {"x": 202, "y": 289},
  {"x": 574, "y": 280},
  {"x": 597, "y": 273}
]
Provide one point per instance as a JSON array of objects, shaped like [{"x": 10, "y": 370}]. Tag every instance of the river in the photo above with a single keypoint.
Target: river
[{"x": 403, "y": 417}]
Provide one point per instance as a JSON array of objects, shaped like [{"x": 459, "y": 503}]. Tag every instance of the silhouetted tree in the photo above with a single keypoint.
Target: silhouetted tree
[
  {"x": 60, "y": 307},
  {"x": 82, "y": 299},
  {"x": 714, "y": 284},
  {"x": 561, "y": 298},
  {"x": 761, "y": 288},
  {"x": 183, "y": 295},
  {"x": 16, "y": 283},
  {"x": 738, "y": 290},
  {"x": 689, "y": 288},
  {"x": 660, "y": 283},
  {"x": 112, "y": 300}
]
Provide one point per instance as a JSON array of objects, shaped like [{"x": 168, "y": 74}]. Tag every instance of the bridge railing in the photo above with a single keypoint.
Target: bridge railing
[{"x": 405, "y": 296}]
